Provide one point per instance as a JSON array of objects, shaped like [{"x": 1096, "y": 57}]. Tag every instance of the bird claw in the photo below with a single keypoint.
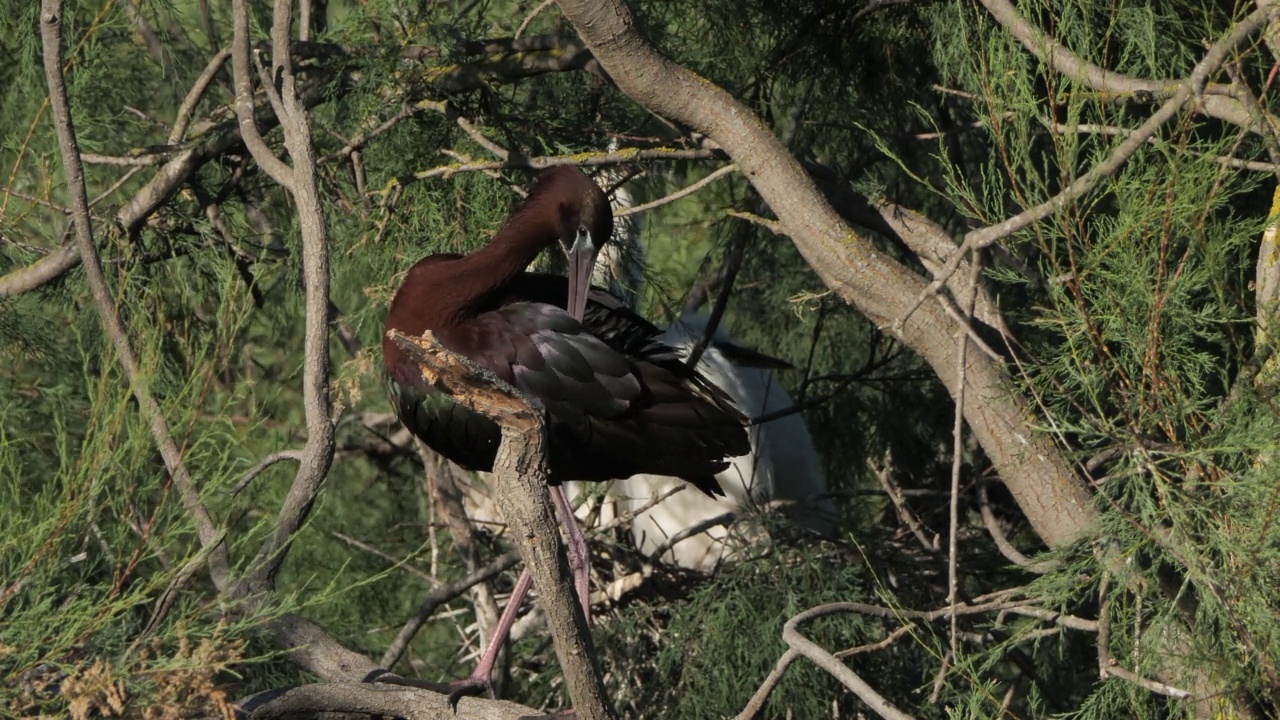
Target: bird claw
[{"x": 472, "y": 686}]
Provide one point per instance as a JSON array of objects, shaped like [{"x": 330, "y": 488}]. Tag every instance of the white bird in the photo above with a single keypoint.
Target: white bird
[{"x": 783, "y": 464}]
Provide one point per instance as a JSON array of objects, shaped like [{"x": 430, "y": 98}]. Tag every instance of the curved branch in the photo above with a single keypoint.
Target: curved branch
[
  {"x": 300, "y": 180},
  {"x": 210, "y": 537},
  {"x": 1219, "y": 99},
  {"x": 1011, "y": 553},
  {"x": 240, "y": 64},
  {"x": 832, "y": 664},
  {"x": 266, "y": 462}
]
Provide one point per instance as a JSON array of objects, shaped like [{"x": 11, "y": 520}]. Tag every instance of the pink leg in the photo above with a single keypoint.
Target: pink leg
[
  {"x": 579, "y": 561},
  {"x": 481, "y": 678}
]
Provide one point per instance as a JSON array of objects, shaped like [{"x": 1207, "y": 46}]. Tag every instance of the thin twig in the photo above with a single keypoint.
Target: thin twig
[
  {"x": 732, "y": 264},
  {"x": 885, "y": 476},
  {"x": 957, "y": 460},
  {"x": 1005, "y": 547},
  {"x": 756, "y": 704},
  {"x": 1109, "y": 666},
  {"x": 723, "y": 519},
  {"x": 542, "y": 163},
  {"x": 440, "y": 596},
  {"x": 266, "y": 462},
  {"x": 395, "y": 561},
  {"x": 529, "y": 18},
  {"x": 681, "y": 193},
  {"x": 182, "y": 118},
  {"x": 128, "y": 175}
]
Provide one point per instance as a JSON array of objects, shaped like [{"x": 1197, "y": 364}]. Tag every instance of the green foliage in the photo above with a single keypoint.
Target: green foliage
[{"x": 1133, "y": 306}]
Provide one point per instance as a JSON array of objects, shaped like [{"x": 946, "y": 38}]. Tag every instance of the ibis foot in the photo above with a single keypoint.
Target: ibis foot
[{"x": 473, "y": 686}]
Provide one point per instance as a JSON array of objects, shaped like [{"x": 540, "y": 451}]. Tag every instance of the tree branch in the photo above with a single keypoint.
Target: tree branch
[
  {"x": 300, "y": 180},
  {"x": 520, "y": 477},
  {"x": 244, "y": 106},
  {"x": 382, "y": 700},
  {"x": 1218, "y": 99},
  {"x": 1056, "y": 502},
  {"x": 210, "y": 537},
  {"x": 1193, "y": 85},
  {"x": 825, "y": 660}
]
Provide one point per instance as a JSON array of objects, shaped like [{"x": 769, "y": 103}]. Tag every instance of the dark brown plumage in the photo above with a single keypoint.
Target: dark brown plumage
[{"x": 619, "y": 402}]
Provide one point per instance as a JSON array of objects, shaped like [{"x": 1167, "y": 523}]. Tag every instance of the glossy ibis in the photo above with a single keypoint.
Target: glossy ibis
[
  {"x": 618, "y": 401},
  {"x": 782, "y": 464}
]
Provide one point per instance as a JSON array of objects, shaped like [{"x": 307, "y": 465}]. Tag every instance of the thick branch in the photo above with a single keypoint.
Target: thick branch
[
  {"x": 41, "y": 272},
  {"x": 520, "y": 476},
  {"x": 1055, "y": 501},
  {"x": 378, "y": 700}
]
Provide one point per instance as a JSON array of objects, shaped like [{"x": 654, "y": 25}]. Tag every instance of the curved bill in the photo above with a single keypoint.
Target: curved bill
[{"x": 582, "y": 260}]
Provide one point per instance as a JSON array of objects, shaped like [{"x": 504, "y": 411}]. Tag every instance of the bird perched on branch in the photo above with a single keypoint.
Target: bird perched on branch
[{"x": 618, "y": 401}]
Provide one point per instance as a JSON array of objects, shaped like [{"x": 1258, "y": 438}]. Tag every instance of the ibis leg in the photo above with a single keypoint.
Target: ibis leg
[
  {"x": 579, "y": 560},
  {"x": 481, "y": 679}
]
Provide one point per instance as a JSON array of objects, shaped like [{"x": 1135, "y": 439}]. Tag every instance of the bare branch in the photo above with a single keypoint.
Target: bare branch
[
  {"x": 240, "y": 64},
  {"x": 532, "y": 14},
  {"x": 1108, "y": 665},
  {"x": 266, "y": 462},
  {"x": 440, "y": 596},
  {"x": 825, "y": 660},
  {"x": 182, "y": 118},
  {"x": 1006, "y": 548},
  {"x": 723, "y": 519},
  {"x": 383, "y": 700},
  {"x": 41, "y": 272},
  {"x": 579, "y": 160},
  {"x": 756, "y": 704},
  {"x": 885, "y": 476},
  {"x": 683, "y": 192},
  {"x": 957, "y": 461},
  {"x": 1218, "y": 99},
  {"x": 210, "y": 537},
  {"x": 300, "y": 180}
]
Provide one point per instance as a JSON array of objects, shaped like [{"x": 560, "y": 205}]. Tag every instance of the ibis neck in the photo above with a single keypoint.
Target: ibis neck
[{"x": 508, "y": 254}]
